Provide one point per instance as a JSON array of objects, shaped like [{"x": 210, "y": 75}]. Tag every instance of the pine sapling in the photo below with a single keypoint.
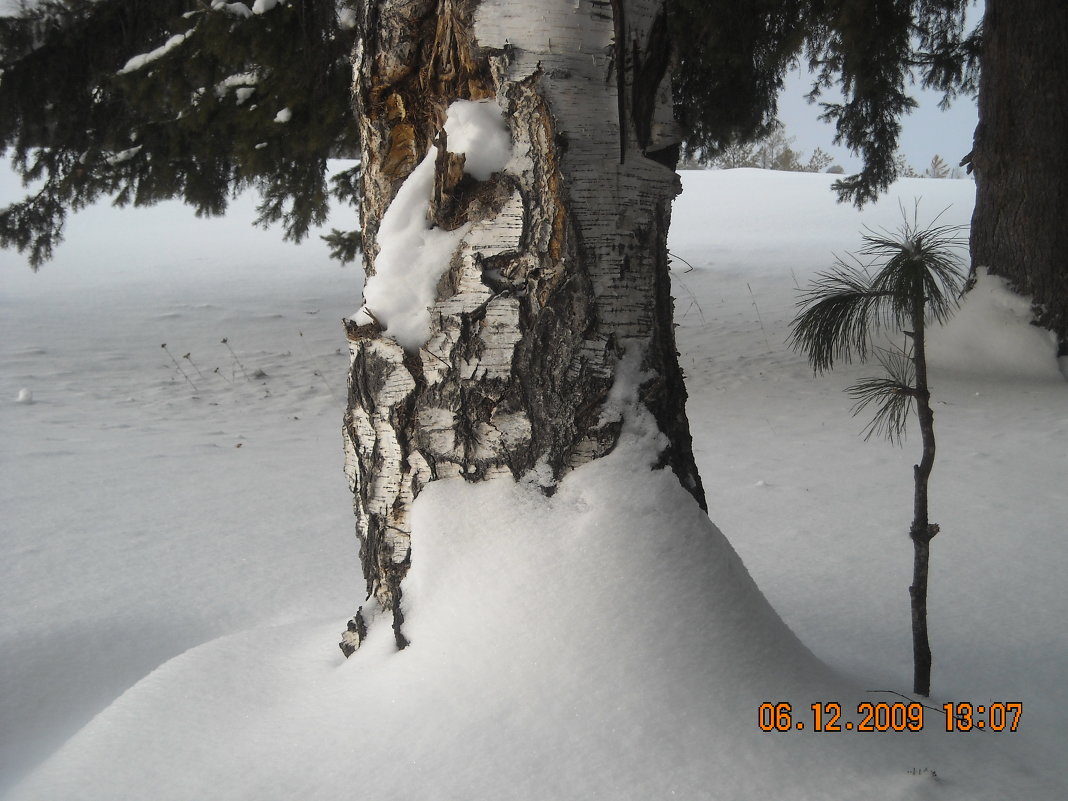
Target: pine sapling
[{"x": 917, "y": 280}]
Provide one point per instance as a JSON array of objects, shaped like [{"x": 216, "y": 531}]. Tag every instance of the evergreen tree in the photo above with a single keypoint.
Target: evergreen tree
[
  {"x": 175, "y": 98},
  {"x": 903, "y": 168},
  {"x": 198, "y": 122},
  {"x": 774, "y": 151},
  {"x": 771, "y": 152},
  {"x": 742, "y": 154},
  {"x": 937, "y": 168},
  {"x": 818, "y": 161}
]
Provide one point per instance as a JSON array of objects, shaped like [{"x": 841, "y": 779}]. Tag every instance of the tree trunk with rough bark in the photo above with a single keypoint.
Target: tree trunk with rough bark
[
  {"x": 556, "y": 279},
  {"x": 1020, "y": 159}
]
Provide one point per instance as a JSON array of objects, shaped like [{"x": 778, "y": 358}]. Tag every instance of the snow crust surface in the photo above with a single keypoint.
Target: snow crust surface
[{"x": 177, "y": 563}]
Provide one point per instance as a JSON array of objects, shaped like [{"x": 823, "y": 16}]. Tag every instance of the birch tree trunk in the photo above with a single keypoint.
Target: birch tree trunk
[{"x": 560, "y": 269}]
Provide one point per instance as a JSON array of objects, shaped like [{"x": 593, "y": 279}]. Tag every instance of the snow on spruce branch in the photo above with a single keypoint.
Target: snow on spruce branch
[
  {"x": 263, "y": 6},
  {"x": 236, "y": 9},
  {"x": 123, "y": 155},
  {"x": 141, "y": 61},
  {"x": 243, "y": 84}
]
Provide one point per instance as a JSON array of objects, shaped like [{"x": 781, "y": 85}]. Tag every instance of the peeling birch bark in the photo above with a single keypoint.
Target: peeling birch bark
[{"x": 563, "y": 268}]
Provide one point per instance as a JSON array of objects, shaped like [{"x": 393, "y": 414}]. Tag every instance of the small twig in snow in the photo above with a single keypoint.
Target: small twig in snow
[
  {"x": 318, "y": 372},
  {"x": 910, "y": 699},
  {"x": 180, "y": 370},
  {"x": 226, "y": 341},
  {"x": 693, "y": 299},
  {"x": 189, "y": 358},
  {"x": 759, "y": 320}
]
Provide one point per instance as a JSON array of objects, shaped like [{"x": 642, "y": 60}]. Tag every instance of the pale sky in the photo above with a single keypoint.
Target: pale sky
[{"x": 925, "y": 133}]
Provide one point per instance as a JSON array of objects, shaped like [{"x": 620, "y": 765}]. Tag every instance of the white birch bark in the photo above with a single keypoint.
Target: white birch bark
[{"x": 563, "y": 267}]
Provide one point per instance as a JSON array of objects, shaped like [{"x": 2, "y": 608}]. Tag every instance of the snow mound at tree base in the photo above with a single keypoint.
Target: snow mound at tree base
[
  {"x": 604, "y": 643},
  {"x": 992, "y": 334}
]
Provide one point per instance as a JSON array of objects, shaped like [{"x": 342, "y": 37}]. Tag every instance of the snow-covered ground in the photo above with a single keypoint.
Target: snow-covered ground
[{"x": 176, "y": 564}]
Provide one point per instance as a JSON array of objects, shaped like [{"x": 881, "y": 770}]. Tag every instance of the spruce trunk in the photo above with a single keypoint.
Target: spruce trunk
[
  {"x": 1020, "y": 223},
  {"x": 562, "y": 271}
]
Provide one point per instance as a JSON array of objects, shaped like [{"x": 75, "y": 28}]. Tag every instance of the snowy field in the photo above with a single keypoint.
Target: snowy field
[{"x": 177, "y": 558}]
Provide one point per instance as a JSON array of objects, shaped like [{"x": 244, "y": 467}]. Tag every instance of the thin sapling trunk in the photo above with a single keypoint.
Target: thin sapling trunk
[{"x": 921, "y": 532}]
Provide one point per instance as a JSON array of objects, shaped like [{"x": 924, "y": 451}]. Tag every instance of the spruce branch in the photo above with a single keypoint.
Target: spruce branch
[{"x": 344, "y": 245}]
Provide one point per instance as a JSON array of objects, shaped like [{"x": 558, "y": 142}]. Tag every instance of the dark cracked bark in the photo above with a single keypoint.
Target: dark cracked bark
[
  {"x": 1020, "y": 223},
  {"x": 563, "y": 269}
]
